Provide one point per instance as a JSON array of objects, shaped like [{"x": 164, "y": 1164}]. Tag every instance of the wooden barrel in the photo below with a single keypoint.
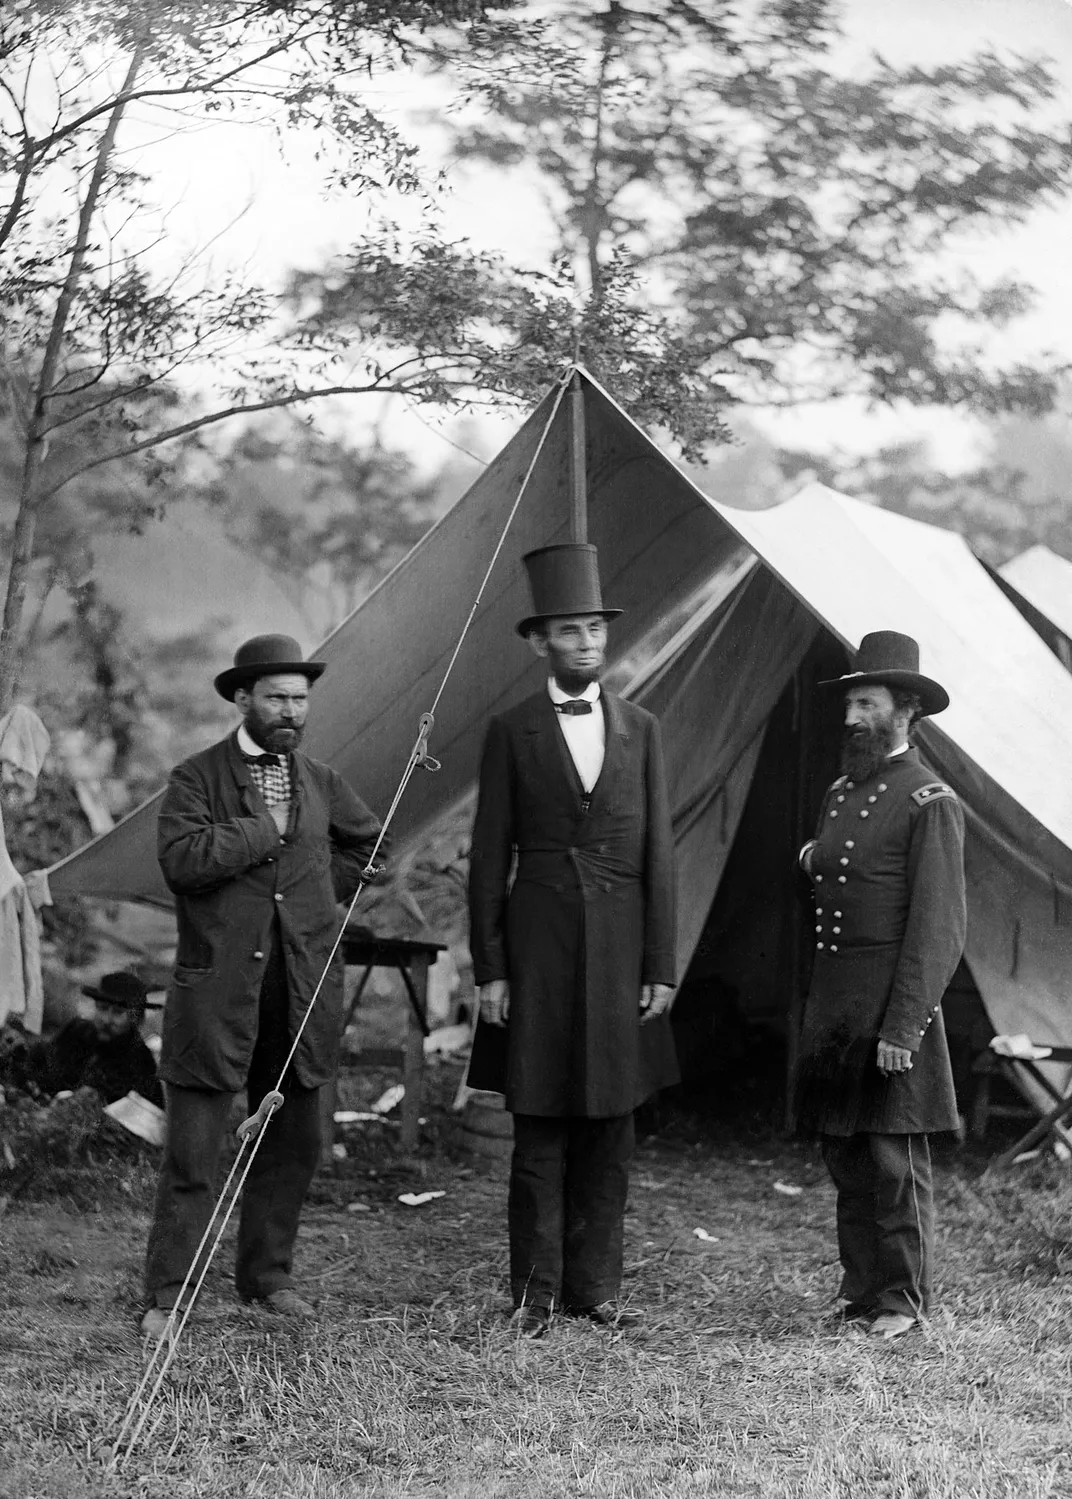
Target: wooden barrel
[{"x": 487, "y": 1129}]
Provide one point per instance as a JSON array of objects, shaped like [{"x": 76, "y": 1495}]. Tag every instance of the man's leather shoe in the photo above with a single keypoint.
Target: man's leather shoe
[
  {"x": 609, "y": 1314},
  {"x": 892, "y": 1325},
  {"x": 287, "y": 1303},
  {"x": 533, "y": 1321}
]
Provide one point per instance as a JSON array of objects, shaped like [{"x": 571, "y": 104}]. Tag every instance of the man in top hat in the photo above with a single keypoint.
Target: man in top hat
[
  {"x": 874, "y": 1080},
  {"x": 258, "y": 843},
  {"x": 103, "y": 1050},
  {"x": 575, "y": 958}
]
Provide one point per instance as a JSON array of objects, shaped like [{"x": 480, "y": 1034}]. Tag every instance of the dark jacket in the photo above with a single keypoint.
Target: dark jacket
[
  {"x": 890, "y": 923},
  {"x": 235, "y": 880},
  {"x": 588, "y": 919},
  {"x": 78, "y": 1056}
]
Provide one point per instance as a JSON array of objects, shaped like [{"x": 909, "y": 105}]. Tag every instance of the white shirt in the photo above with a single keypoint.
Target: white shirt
[
  {"x": 584, "y": 733},
  {"x": 902, "y": 749},
  {"x": 247, "y": 744}
]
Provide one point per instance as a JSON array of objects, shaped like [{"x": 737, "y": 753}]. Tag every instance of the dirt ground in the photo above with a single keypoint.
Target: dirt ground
[{"x": 413, "y": 1382}]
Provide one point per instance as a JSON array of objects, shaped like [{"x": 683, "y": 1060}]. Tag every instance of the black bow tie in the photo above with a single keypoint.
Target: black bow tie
[
  {"x": 575, "y": 705},
  {"x": 263, "y": 759}
]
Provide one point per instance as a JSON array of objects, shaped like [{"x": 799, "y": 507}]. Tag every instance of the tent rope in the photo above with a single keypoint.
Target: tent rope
[{"x": 251, "y": 1131}]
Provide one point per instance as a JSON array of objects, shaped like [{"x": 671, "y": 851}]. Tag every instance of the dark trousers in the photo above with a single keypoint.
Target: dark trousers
[
  {"x": 569, "y": 1180},
  {"x": 885, "y": 1219},
  {"x": 278, "y": 1181}
]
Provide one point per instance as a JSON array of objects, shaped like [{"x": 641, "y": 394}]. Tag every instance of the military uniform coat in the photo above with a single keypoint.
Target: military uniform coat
[
  {"x": 887, "y": 869},
  {"x": 588, "y": 919},
  {"x": 236, "y": 884}
]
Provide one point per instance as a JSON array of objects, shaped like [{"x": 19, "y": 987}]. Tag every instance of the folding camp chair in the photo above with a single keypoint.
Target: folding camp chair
[{"x": 1017, "y": 1057}]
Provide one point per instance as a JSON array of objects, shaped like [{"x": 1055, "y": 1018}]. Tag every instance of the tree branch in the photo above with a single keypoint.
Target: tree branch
[
  {"x": 26, "y": 166},
  {"x": 132, "y": 96},
  {"x": 22, "y": 543}
]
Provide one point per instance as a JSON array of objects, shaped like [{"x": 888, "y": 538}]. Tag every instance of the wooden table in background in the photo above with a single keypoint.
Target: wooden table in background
[{"x": 410, "y": 957}]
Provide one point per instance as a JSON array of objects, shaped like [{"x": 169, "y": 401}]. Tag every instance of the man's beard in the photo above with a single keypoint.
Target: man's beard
[
  {"x": 274, "y": 739},
  {"x": 865, "y": 751},
  {"x": 574, "y": 680}
]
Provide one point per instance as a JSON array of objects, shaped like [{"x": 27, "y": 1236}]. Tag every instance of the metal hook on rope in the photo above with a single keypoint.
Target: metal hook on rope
[
  {"x": 256, "y": 1122},
  {"x": 421, "y": 756}
]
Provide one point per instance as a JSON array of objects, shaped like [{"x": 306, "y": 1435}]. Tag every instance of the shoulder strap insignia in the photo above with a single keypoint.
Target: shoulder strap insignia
[
  {"x": 932, "y": 792},
  {"x": 836, "y": 785}
]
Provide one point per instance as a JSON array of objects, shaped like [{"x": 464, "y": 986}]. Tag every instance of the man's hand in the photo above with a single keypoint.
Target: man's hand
[
  {"x": 893, "y": 1058},
  {"x": 495, "y": 1002},
  {"x": 655, "y": 1001},
  {"x": 280, "y": 816}
]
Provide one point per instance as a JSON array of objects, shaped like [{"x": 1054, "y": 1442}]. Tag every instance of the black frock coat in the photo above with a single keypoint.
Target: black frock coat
[
  {"x": 887, "y": 870},
  {"x": 237, "y": 884},
  {"x": 588, "y": 918}
]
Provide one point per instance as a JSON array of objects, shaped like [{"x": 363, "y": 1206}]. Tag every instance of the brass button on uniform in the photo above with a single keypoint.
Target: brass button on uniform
[
  {"x": 833, "y": 811},
  {"x": 279, "y": 897},
  {"x": 844, "y": 860},
  {"x": 865, "y": 813},
  {"x": 841, "y": 879},
  {"x": 258, "y": 955}
]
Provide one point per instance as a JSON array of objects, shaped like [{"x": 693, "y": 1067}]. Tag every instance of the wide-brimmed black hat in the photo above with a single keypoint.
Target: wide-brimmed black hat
[
  {"x": 892, "y": 660},
  {"x": 563, "y": 579},
  {"x": 123, "y": 991},
  {"x": 265, "y": 656}
]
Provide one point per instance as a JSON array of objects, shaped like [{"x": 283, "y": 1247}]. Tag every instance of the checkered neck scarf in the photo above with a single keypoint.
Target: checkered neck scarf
[{"x": 271, "y": 773}]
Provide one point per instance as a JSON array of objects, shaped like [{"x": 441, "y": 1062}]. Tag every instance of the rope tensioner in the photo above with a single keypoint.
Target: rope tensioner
[{"x": 251, "y": 1131}]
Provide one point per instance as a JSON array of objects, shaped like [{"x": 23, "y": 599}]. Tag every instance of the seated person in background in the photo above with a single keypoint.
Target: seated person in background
[{"x": 106, "y": 1051}]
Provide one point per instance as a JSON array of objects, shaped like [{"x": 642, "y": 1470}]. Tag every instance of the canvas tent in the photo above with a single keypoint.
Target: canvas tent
[
  {"x": 1039, "y": 582},
  {"x": 751, "y": 609}
]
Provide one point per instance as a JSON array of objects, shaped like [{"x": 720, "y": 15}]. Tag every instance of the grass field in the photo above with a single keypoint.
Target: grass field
[{"x": 413, "y": 1383}]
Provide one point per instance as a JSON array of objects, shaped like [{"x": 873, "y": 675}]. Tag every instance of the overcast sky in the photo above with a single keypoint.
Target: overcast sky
[{"x": 265, "y": 210}]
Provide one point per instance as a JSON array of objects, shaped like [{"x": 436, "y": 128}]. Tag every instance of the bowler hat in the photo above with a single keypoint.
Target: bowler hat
[
  {"x": 265, "y": 656},
  {"x": 123, "y": 991},
  {"x": 563, "y": 579},
  {"x": 892, "y": 660}
]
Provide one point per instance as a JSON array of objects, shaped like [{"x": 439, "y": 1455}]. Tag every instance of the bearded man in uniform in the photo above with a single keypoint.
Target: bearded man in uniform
[{"x": 874, "y": 1080}]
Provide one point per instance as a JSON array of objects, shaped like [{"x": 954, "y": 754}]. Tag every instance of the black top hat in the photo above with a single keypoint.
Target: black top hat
[
  {"x": 123, "y": 991},
  {"x": 264, "y": 656},
  {"x": 564, "y": 580},
  {"x": 892, "y": 660}
]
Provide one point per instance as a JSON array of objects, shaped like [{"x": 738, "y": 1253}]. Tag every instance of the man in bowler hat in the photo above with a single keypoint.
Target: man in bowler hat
[
  {"x": 575, "y": 958},
  {"x": 258, "y": 843},
  {"x": 103, "y": 1050},
  {"x": 874, "y": 1080}
]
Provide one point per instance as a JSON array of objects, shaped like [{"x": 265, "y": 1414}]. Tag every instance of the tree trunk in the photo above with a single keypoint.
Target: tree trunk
[
  {"x": 593, "y": 214},
  {"x": 37, "y": 430}
]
